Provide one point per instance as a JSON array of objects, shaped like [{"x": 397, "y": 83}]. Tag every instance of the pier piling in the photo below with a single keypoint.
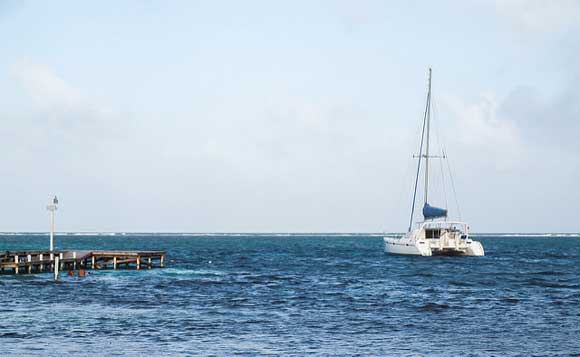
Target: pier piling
[{"x": 56, "y": 269}]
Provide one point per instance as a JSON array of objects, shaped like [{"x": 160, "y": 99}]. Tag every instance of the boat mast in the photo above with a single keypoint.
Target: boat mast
[
  {"x": 425, "y": 123},
  {"x": 428, "y": 115}
]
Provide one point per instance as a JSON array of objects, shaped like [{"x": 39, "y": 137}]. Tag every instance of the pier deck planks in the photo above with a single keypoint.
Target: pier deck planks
[{"x": 42, "y": 261}]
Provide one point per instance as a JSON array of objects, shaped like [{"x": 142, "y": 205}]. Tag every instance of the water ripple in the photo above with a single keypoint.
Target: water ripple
[{"x": 298, "y": 295}]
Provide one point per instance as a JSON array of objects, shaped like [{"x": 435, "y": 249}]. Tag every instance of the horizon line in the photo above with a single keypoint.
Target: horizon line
[{"x": 267, "y": 233}]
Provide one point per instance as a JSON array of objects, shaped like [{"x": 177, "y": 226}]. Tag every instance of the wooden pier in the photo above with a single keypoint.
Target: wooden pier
[{"x": 39, "y": 261}]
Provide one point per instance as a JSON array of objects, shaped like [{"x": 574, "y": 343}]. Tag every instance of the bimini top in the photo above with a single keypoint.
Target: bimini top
[{"x": 431, "y": 212}]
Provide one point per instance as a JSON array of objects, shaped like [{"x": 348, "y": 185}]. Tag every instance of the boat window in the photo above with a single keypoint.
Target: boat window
[{"x": 432, "y": 233}]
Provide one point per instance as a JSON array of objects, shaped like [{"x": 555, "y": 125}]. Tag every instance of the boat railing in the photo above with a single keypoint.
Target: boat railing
[{"x": 457, "y": 225}]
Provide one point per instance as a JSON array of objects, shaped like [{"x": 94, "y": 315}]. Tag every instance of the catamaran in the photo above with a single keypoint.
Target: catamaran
[{"x": 435, "y": 235}]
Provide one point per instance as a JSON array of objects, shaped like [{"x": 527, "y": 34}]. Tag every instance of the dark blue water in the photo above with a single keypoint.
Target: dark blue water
[{"x": 320, "y": 295}]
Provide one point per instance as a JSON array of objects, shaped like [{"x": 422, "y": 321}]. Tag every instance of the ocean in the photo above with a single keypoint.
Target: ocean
[{"x": 298, "y": 294}]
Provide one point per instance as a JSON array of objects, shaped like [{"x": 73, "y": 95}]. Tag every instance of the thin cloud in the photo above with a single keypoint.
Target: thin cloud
[
  {"x": 45, "y": 87},
  {"x": 63, "y": 106},
  {"x": 540, "y": 15}
]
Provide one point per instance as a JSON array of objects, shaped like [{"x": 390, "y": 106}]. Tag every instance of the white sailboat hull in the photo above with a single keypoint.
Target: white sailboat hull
[
  {"x": 406, "y": 247},
  {"x": 430, "y": 247}
]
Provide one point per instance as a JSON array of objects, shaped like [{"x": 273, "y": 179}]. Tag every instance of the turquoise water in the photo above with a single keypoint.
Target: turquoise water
[{"x": 299, "y": 294}]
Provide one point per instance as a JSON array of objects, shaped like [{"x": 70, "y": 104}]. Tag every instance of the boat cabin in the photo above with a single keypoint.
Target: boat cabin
[
  {"x": 436, "y": 230},
  {"x": 432, "y": 233}
]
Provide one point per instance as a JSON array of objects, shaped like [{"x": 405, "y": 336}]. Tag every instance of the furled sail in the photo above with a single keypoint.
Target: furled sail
[{"x": 430, "y": 212}]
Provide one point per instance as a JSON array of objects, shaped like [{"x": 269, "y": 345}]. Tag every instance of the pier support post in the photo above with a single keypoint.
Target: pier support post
[
  {"x": 29, "y": 259},
  {"x": 56, "y": 267},
  {"x": 138, "y": 262},
  {"x": 53, "y": 206},
  {"x": 149, "y": 263},
  {"x": 93, "y": 262},
  {"x": 16, "y": 261},
  {"x": 74, "y": 260},
  {"x": 161, "y": 259},
  {"x": 114, "y": 263}
]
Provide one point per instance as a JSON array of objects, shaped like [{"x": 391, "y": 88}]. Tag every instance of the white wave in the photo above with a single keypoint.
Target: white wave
[
  {"x": 201, "y": 271},
  {"x": 526, "y": 235}
]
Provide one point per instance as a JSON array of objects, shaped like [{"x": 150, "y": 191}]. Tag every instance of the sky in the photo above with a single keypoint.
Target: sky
[{"x": 297, "y": 116}]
